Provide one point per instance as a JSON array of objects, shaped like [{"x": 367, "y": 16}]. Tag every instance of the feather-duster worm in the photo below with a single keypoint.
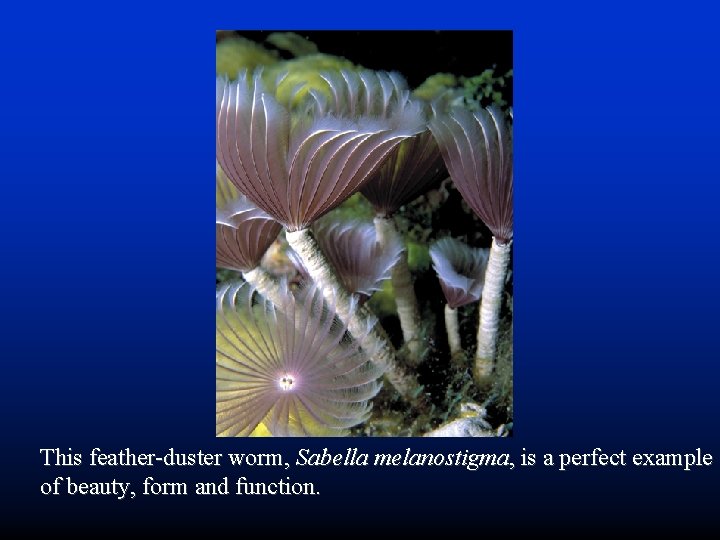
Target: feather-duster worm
[
  {"x": 461, "y": 271},
  {"x": 407, "y": 172},
  {"x": 478, "y": 151}
]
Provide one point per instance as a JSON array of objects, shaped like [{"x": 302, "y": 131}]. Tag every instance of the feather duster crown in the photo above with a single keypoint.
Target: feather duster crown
[
  {"x": 478, "y": 152},
  {"x": 299, "y": 167},
  {"x": 406, "y": 174},
  {"x": 243, "y": 233},
  {"x": 460, "y": 269},
  {"x": 290, "y": 369},
  {"x": 368, "y": 94}
]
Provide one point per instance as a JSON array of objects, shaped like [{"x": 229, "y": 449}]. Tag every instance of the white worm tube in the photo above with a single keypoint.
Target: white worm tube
[
  {"x": 405, "y": 299},
  {"x": 453, "y": 330},
  {"x": 360, "y": 322},
  {"x": 490, "y": 309},
  {"x": 266, "y": 285}
]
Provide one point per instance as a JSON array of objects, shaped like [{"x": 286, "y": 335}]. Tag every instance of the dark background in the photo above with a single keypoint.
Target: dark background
[
  {"x": 415, "y": 54},
  {"x": 108, "y": 271}
]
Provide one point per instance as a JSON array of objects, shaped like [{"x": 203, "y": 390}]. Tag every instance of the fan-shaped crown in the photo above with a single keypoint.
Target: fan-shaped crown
[
  {"x": 460, "y": 269},
  {"x": 299, "y": 168},
  {"x": 478, "y": 153},
  {"x": 291, "y": 368},
  {"x": 406, "y": 174},
  {"x": 243, "y": 232}
]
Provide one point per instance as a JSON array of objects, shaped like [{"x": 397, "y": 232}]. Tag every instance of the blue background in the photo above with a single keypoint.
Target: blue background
[{"x": 107, "y": 274}]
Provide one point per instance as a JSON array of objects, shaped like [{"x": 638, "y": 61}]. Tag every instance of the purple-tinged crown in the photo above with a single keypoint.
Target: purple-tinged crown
[
  {"x": 243, "y": 232},
  {"x": 297, "y": 167},
  {"x": 478, "y": 152},
  {"x": 407, "y": 173},
  {"x": 460, "y": 269}
]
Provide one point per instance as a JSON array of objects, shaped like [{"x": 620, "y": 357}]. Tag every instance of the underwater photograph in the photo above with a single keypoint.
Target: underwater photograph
[{"x": 364, "y": 231}]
